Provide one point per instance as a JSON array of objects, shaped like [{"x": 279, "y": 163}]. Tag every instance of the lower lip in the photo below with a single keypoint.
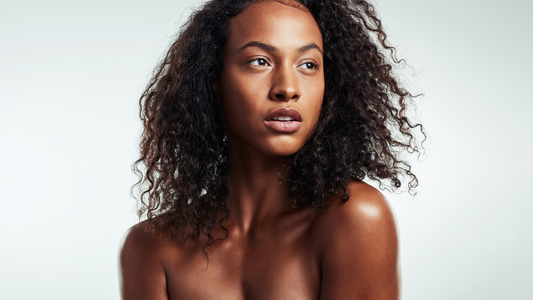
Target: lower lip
[{"x": 284, "y": 126}]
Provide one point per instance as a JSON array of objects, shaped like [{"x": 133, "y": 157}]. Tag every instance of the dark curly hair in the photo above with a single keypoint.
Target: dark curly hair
[{"x": 361, "y": 131}]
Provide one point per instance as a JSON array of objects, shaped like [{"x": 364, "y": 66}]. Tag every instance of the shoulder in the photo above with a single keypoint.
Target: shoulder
[
  {"x": 141, "y": 264},
  {"x": 137, "y": 240},
  {"x": 366, "y": 209},
  {"x": 358, "y": 246}
]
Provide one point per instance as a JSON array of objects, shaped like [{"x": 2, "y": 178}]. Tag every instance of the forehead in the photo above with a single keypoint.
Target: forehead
[{"x": 275, "y": 23}]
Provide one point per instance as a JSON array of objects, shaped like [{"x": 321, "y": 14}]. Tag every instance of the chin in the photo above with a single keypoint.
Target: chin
[
  {"x": 284, "y": 153},
  {"x": 284, "y": 149}
]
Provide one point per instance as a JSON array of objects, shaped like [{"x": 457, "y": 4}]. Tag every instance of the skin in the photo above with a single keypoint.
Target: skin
[{"x": 273, "y": 59}]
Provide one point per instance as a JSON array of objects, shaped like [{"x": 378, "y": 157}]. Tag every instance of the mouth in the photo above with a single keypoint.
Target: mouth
[
  {"x": 284, "y": 120},
  {"x": 285, "y": 115}
]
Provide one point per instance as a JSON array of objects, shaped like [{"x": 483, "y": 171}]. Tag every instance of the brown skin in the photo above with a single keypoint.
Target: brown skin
[{"x": 348, "y": 251}]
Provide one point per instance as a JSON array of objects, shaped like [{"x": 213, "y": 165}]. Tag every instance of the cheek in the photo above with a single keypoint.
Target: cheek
[
  {"x": 243, "y": 95},
  {"x": 315, "y": 101},
  {"x": 242, "y": 106},
  {"x": 239, "y": 103}
]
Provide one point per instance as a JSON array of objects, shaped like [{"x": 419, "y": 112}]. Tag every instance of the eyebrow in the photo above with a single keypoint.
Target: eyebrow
[
  {"x": 309, "y": 47},
  {"x": 273, "y": 49}
]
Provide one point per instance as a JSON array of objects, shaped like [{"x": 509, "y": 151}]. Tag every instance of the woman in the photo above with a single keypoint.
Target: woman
[{"x": 259, "y": 126}]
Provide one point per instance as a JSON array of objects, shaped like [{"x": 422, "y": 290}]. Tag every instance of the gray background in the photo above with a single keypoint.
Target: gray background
[{"x": 70, "y": 76}]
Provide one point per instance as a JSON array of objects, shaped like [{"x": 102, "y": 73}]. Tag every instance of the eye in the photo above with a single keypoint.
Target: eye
[
  {"x": 259, "y": 62},
  {"x": 309, "y": 65}
]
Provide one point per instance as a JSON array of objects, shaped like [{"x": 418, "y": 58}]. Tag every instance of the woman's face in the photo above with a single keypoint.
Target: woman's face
[{"x": 272, "y": 82}]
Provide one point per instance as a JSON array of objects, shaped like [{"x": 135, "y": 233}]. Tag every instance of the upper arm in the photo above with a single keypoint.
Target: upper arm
[
  {"x": 141, "y": 269},
  {"x": 359, "y": 257}
]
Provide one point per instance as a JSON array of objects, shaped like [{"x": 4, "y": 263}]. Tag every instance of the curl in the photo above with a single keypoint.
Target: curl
[{"x": 361, "y": 133}]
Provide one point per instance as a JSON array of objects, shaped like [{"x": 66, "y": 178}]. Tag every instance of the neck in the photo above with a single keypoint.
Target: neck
[{"x": 257, "y": 196}]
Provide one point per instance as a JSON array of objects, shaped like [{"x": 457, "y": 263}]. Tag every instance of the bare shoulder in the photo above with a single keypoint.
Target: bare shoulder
[
  {"x": 137, "y": 236},
  {"x": 141, "y": 264},
  {"x": 358, "y": 247},
  {"x": 366, "y": 207}
]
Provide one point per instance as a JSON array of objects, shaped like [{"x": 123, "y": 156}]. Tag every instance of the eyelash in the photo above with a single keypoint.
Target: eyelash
[
  {"x": 313, "y": 65},
  {"x": 257, "y": 60},
  {"x": 265, "y": 62}
]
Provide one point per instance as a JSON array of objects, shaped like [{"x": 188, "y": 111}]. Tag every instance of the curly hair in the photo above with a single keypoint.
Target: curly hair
[{"x": 361, "y": 133}]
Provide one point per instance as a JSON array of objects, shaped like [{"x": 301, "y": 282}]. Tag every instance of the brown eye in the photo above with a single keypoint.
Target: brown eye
[
  {"x": 259, "y": 62},
  {"x": 308, "y": 65}
]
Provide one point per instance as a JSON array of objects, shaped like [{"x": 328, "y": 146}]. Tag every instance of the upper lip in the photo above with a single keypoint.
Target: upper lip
[{"x": 285, "y": 112}]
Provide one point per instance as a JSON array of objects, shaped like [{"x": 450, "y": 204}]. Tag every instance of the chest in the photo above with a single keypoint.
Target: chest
[{"x": 261, "y": 269}]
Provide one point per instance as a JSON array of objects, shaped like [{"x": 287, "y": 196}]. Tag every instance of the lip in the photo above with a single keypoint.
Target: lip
[
  {"x": 285, "y": 112},
  {"x": 284, "y": 126}
]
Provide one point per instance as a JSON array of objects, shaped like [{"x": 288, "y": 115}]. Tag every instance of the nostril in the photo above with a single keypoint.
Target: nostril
[{"x": 280, "y": 96}]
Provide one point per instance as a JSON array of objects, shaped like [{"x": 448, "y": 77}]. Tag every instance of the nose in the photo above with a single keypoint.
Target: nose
[{"x": 285, "y": 85}]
